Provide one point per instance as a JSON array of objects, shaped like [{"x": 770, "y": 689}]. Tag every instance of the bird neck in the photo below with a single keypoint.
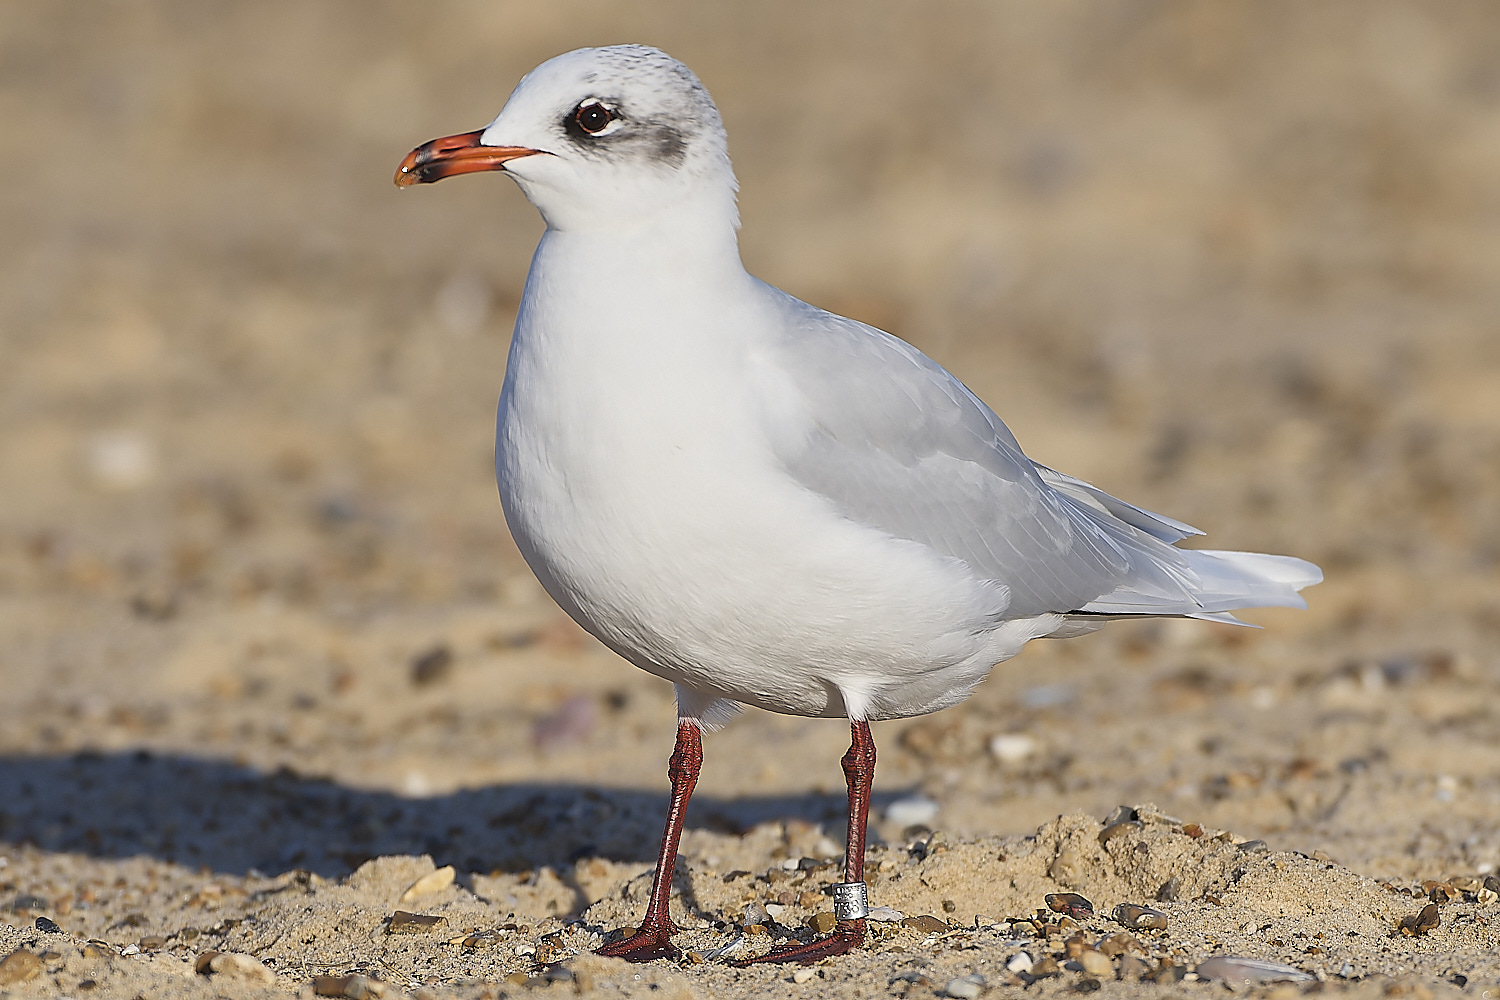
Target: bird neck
[{"x": 689, "y": 242}]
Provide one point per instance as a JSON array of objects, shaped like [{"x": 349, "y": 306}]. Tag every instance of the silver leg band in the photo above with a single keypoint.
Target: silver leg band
[{"x": 851, "y": 900}]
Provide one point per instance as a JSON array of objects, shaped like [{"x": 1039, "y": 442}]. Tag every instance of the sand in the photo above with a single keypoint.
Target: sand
[{"x": 269, "y": 658}]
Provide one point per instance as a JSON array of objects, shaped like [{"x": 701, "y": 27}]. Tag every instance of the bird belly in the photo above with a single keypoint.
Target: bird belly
[{"x": 686, "y": 549}]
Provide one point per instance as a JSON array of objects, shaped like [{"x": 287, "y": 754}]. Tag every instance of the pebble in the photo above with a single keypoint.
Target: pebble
[
  {"x": 809, "y": 900},
  {"x": 755, "y": 913},
  {"x": 1421, "y": 922},
  {"x": 1097, "y": 963},
  {"x": 1141, "y": 918},
  {"x": 822, "y": 923},
  {"x": 232, "y": 965},
  {"x": 966, "y": 988},
  {"x": 926, "y": 923},
  {"x": 1116, "y": 829},
  {"x": 47, "y": 925},
  {"x": 353, "y": 987},
  {"x": 431, "y": 666},
  {"x": 120, "y": 460},
  {"x": 1440, "y": 892},
  {"x": 19, "y": 966},
  {"x": 433, "y": 881},
  {"x": 1020, "y": 962},
  {"x": 1012, "y": 748},
  {"x": 804, "y": 975},
  {"x": 887, "y": 914},
  {"x": 153, "y": 942},
  {"x": 776, "y": 911},
  {"x": 1254, "y": 847},
  {"x": 911, "y": 811},
  {"x": 1067, "y": 869},
  {"x": 1120, "y": 944},
  {"x": 1233, "y": 969},
  {"x": 1070, "y": 903},
  {"x": 1132, "y": 968},
  {"x": 403, "y": 922}
]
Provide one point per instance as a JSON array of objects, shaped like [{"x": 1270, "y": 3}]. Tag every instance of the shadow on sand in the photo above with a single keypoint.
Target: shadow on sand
[{"x": 229, "y": 818}]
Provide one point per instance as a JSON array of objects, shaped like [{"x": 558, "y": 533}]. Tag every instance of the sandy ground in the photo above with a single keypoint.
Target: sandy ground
[{"x": 269, "y": 657}]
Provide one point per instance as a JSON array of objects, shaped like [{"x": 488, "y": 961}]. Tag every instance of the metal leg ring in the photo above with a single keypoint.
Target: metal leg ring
[{"x": 851, "y": 900}]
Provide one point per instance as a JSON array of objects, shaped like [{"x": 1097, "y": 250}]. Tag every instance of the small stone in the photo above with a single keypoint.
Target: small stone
[
  {"x": 1254, "y": 847},
  {"x": 232, "y": 965},
  {"x": 755, "y": 928},
  {"x": 1132, "y": 968},
  {"x": 1067, "y": 869},
  {"x": 804, "y": 976},
  {"x": 47, "y": 925},
  {"x": 1020, "y": 962},
  {"x": 431, "y": 666},
  {"x": 353, "y": 987},
  {"x": 737, "y": 873},
  {"x": 886, "y": 914},
  {"x": 1111, "y": 832},
  {"x": 1097, "y": 964},
  {"x": 1069, "y": 903},
  {"x": 1441, "y": 892},
  {"x": 1192, "y": 830},
  {"x": 966, "y": 988},
  {"x": 1120, "y": 944},
  {"x": 50, "y": 956},
  {"x": 87, "y": 985},
  {"x": 96, "y": 949},
  {"x": 1421, "y": 922},
  {"x": 756, "y": 913},
  {"x": 1464, "y": 883},
  {"x": 1012, "y": 748},
  {"x": 810, "y": 900},
  {"x": 822, "y": 923},
  {"x": 433, "y": 881},
  {"x": 1170, "y": 890},
  {"x": 912, "y": 810},
  {"x": 19, "y": 966},
  {"x": 1233, "y": 969},
  {"x": 776, "y": 911},
  {"x": 949, "y": 906},
  {"x": 518, "y": 979},
  {"x": 403, "y": 922},
  {"x": 1140, "y": 918},
  {"x": 926, "y": 923},
  {"x": 1046, "y": 966},
  {"x": 130, "y": 949}
]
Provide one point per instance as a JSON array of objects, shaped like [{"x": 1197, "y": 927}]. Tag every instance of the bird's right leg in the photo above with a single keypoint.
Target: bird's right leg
[
  {"x": 850, "y": 902},
  {"x": 654, "y": 938}
]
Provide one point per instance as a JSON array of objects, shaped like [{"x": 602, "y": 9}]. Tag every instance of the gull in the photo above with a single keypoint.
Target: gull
[{"x": 762, "y": 502}]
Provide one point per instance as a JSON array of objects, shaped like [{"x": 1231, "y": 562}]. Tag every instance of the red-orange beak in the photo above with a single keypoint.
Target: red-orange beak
[{"x": 453, "y": 155}]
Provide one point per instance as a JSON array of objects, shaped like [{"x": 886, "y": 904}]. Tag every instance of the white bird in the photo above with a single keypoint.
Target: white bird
[{"x": 760, "y": 501}]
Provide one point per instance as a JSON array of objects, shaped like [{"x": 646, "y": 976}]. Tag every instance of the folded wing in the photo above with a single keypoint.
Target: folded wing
[{"x": 899, "y": 444}]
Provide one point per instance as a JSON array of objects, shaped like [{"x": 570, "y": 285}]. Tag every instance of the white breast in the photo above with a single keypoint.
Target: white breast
[{"x": 636, "y": 476}]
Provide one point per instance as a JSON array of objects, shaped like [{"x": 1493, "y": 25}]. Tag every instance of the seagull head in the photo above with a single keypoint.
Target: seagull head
[{"x": 601, "y": 138}]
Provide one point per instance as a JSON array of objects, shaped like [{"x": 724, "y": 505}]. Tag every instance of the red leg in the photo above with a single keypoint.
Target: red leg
[
  {"x": 654, "y": 938},
  {"x": 859, "y": 771}
]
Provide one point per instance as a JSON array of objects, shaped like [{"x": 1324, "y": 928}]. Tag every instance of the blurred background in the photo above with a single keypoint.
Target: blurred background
[{"x": 1236, "y": 262}]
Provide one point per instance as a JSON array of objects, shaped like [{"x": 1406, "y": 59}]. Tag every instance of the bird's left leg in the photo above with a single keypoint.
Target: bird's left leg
[
  {"x": 654, "y": 938},
  {"x": 850, "y": 903}
]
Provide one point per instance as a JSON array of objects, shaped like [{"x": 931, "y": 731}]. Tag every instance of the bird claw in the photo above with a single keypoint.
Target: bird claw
[
  {"x": 645, "y": 945},
  {"x": 847, "y": 936}
]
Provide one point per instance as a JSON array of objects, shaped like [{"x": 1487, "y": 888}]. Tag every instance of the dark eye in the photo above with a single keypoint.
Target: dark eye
[{"x": 593, "y": 117}]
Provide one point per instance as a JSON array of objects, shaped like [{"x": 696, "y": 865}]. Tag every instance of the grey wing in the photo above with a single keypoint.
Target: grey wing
[{"x": 897, "y": 443}]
